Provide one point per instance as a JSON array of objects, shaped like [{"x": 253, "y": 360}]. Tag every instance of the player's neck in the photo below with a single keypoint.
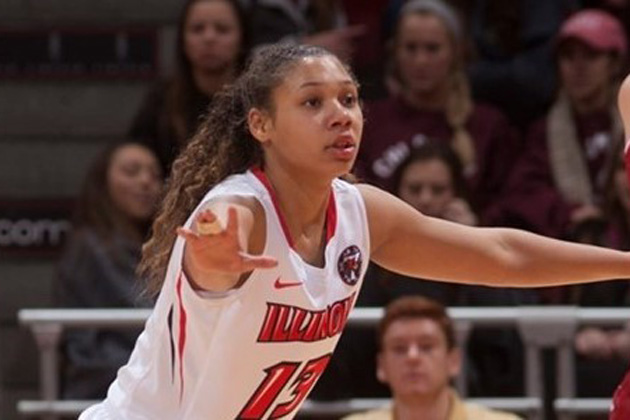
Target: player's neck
[{"x": 303, "y": 202}]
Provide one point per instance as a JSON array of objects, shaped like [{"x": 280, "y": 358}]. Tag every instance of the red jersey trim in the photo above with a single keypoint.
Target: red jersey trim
[
  {"x": 181, "y": 342},
  {"x": 331, "y": 210},
  {"x": 331, "y": 217}
]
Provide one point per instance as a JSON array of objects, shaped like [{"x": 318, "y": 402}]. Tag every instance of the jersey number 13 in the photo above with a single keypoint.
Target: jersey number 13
[{"x": 276, "y": 379}]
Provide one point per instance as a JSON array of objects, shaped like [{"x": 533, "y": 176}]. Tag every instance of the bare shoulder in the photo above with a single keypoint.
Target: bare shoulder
[
  {"x": 381, "y": 203},
  {"x": 387, "y": 214},
  {"x": 366, "y": 189},
  {"x": 377, "y": 203},
  {"x": 375, "y": 197}
]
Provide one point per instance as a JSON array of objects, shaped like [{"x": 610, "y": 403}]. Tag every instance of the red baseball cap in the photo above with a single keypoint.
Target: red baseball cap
[{"x": 596, "y": 28}]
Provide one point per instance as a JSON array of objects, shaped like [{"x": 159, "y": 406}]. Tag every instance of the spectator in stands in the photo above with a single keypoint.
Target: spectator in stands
[
  {"x": 431, "y": 180},
  {"x": 97, "y": 268},
  {"x": 418, "y": 358},
  {"x": 212, "y": 45},
  {"x": 559, "y": 182},
  {"x": 314, "y": 22},
  {"x": 431, "y": 99},
  {"x": 513, "y": 54}
]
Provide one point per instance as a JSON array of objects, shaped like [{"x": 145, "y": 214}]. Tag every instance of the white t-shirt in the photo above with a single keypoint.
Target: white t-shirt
[{"x": 254, "y": 352}]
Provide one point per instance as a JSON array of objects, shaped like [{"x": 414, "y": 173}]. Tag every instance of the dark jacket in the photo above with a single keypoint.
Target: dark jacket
[{"x": 94, "y": 273}]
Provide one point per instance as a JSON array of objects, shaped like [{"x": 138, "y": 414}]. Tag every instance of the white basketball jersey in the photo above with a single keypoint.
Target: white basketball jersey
[{"x": 254, "y": 352}]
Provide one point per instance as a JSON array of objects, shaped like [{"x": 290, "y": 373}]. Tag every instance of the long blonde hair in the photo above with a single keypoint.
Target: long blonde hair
[{"x": 459, "y": 103}]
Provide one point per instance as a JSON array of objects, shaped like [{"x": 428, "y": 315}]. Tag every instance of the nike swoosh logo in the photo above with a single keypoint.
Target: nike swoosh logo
[{"x": 280, "y": 285}]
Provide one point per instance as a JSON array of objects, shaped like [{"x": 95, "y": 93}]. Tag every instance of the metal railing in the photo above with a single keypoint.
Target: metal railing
[
  {"x": 525, "y": 406},
  {"x": 540, "y": 327}
]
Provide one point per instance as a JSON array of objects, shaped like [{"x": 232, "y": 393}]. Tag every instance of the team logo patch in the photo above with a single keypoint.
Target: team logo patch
[{"x": 349, "y": 265}]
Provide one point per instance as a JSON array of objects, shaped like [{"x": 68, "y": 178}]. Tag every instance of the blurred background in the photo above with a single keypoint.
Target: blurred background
[{"x": 78, "y": 77}]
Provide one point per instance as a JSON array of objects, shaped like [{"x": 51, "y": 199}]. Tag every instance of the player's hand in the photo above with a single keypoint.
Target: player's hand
[
  {"x": 459, "y": 211},
  {"x": 585, "y": 213},
  {"x": 620, "y": 342},
  {"x": 593, "y": 342},
  {"x": 214, "y": 250}
]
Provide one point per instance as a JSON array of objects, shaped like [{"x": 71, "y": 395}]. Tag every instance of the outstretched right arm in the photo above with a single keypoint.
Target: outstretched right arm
[{"x": 221, "y": 260}]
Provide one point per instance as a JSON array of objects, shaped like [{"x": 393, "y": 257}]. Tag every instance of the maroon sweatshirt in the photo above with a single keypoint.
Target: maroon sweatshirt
[
  {"x": 393, "y": 128},
  {"x": 532, "y": 200}
]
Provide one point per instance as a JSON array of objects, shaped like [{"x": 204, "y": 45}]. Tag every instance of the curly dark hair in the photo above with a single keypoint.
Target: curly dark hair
[{"x": 221, "y": 147}]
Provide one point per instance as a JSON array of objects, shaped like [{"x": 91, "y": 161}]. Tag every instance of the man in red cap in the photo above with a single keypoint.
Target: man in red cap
[
  {"x": 558, "y": 184},
  {"x": 596, "y": 28}
]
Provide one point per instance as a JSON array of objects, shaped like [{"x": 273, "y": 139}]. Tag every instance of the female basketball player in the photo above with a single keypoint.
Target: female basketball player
[{"x": 259, "y": 284}]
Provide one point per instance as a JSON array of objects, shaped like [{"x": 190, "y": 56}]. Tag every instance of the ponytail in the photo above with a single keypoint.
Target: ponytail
[{"x": 222, "y": 146}]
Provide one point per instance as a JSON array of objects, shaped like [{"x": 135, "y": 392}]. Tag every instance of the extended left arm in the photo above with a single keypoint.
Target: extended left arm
[{"x": 405, "y": 241}]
